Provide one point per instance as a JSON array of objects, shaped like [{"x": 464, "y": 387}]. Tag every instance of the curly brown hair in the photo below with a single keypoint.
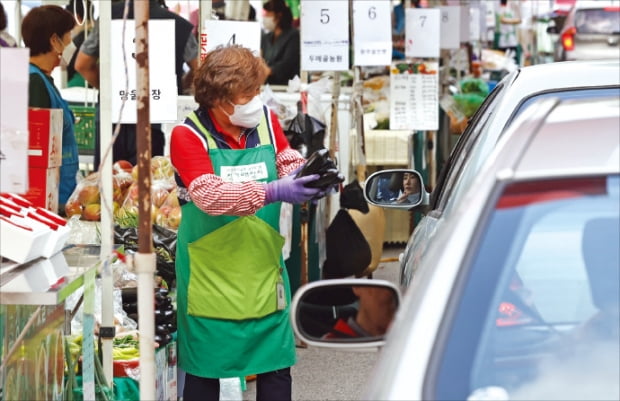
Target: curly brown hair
[{"x": 226, "y": 72}]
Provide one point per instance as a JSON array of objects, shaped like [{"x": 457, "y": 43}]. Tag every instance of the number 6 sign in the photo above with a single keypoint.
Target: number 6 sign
[{"x": 422, "y": 32}]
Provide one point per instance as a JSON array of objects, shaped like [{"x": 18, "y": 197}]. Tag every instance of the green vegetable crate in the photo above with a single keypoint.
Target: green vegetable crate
[{"x": 84, "y": 128}]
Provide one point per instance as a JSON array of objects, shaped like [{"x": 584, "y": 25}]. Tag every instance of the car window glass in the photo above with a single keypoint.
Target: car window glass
[
  {"x": 540, "y": 303},
  {"x": 605, "y": 21},
  {"x": 459, "y": 153},
  {"x": 486, "y": 140}
]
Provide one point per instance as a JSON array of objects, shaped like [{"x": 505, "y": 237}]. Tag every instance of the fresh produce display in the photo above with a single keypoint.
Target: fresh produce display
[{"x": 165, "y": 209}]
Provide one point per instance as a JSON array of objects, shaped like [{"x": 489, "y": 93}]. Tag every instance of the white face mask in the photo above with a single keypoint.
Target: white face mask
[
  {"x": 246, "y": 115},
  {"x": 269, "y": 24},
  {"x": 67, "y": 53}
]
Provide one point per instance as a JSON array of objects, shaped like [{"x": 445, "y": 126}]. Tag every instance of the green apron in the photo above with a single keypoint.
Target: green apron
[{"x": 229, "y": 323}]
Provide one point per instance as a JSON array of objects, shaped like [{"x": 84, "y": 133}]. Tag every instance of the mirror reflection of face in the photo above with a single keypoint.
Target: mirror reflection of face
[
  {"x": 410, "y": 184},
  {"x": 376, "y": 309}
]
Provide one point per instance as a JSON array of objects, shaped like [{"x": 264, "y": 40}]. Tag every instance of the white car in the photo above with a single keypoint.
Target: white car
[
  {"x": 567, "y": 80},
  {"x": 518, "y": 295}
]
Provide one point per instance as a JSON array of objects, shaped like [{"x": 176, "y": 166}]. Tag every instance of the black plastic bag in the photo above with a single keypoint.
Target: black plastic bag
[
  {"x": 305, "y": 133},
  {"x": 164, "y": 246}
]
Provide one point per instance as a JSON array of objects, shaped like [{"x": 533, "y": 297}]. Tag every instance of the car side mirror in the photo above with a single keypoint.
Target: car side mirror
[
  {"x": 344, "y": 313},
  {"x": 553, "y": 30},
  {"x": 396, "y": 189}
]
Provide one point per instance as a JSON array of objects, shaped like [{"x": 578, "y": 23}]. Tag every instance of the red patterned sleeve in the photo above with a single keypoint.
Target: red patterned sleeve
[{"x": 209, "y": 192}]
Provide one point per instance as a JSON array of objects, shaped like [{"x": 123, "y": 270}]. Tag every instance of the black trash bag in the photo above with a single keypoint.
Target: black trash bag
[
  {"x": 352, "y": 197},
  {"x": 305, "y": 133},
  {"x": 347, "y": 251},
  {"x": 164, "y": 246}
]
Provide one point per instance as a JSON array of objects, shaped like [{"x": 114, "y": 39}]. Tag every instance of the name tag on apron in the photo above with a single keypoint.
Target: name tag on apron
[{"x": 248, "y": 172}]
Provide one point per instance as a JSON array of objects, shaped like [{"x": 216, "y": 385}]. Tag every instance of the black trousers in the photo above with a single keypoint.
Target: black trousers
[{"x": 270, "y": 386}]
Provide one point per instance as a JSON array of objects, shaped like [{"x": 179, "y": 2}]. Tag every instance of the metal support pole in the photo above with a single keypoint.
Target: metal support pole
[
  {"x": 105, "y": 171},
  {"x": 145, "y": 258}
]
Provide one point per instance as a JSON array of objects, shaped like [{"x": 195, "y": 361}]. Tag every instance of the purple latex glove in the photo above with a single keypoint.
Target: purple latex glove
[{"x": 291, "y": 189}]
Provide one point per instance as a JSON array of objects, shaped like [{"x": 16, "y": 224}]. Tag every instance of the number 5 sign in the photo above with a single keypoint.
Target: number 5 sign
[
  {"x": 422, "y": 32},
  {"x": 325, "y": 35}
]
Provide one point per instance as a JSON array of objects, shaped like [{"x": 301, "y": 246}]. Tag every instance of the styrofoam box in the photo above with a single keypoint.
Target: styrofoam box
[
  {"x": 21, "y": 245},
  {"x": 56, "y": 241}
]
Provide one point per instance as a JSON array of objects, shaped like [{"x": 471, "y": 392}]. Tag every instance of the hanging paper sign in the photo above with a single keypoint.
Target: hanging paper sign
[
  {"x": 449, "y": 28},
  {"x": 162, "y": 76},
  {"x": 414, "y": 96},
  {"x": 372, "y": 39},
  {"x": 464, "y": 25},
  {"x": 225, "y": 32},
  {"x": 325, "y": 35},
  {"x": 14, "y": 119},
  {"x": 422, "y": 32},
  {"x": 475, "y": 23}
]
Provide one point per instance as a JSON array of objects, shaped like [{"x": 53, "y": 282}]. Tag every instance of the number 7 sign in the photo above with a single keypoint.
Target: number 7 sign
[{"x": 422, "y": 32}]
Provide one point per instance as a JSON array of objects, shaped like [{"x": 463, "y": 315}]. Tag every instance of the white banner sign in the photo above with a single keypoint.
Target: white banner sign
[
  {"x": 475, "y": 24},
  {"x": 372, "y": 39},
  {"x": 162, "y": 76},
  {"x": 414, "y": 96},
  {"x": 422, "y": 32},
  {"x": 14, "y": 119},
  {"x": 450, "y": 27},
  {"x": 224, "y": 32},
  {"x": 325, "y": 35},
  {"x": 464, "y": 25}
]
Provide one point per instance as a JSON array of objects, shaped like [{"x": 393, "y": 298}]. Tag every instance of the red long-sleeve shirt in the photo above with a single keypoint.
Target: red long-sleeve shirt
[{"x": 209, "y": 192}]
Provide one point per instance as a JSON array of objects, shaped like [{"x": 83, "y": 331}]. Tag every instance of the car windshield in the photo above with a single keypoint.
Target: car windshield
[
  {"x": 539, "y": 312},
  {"x": 602, "y": 20}
]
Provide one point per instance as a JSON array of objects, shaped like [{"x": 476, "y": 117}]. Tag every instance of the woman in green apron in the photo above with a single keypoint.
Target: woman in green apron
[{"x": 234, "y": 166}]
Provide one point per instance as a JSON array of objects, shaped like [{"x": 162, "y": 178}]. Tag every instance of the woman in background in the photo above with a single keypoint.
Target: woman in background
[
  {"x": 46, "y": 30},
  {"x": 280, "y": 43}
]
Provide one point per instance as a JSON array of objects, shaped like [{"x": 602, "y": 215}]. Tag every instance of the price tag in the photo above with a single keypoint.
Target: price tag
[
  {"x": 14, "y": 119},
  {"x": 372, "y": 39},
  {"x": 414, "y": 96},
  {"x": 224, "y": 32},
  {"x": 450, "y": 27},
  {"x": 162, "y": 76},
  {"x": 325, "y": 35},
  {"x": 422, "y": 32}
]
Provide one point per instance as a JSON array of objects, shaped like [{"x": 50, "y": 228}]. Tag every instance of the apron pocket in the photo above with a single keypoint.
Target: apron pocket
[{"x": 234, "y": 271}]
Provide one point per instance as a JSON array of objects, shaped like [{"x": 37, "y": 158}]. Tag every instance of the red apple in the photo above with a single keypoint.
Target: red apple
[{"x": 122, "y": 165}]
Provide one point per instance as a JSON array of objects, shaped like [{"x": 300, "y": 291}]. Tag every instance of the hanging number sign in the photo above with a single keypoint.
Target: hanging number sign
[
  {"x": 372, "y": 37},
  {"x": 223, "y": 33},
  {"x": 464, "y": 25},
  {"x": 162, "y": 77},
  {"x": 325, "y": 35},
  {"x": 449, "y": 28},
  {"x": 422, "y": 32},
  {"x": 14, "y": 119}
]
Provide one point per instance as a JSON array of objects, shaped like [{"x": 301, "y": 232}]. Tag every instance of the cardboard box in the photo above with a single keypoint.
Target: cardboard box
[
  {"x": 45, "y": 137},
  {"x": 43, "y": 187}
]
